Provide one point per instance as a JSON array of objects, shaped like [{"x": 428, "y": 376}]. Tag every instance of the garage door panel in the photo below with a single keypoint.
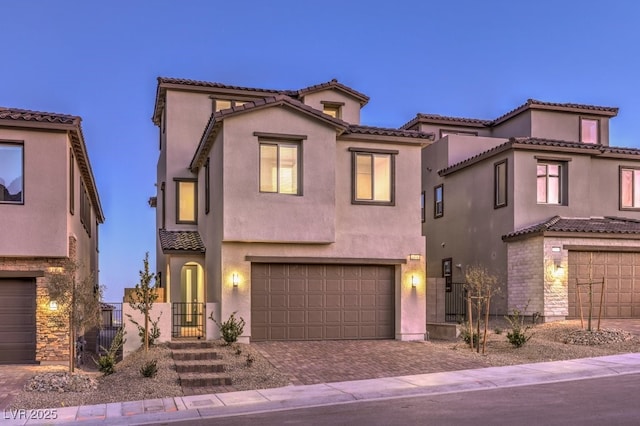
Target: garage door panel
[
  {"x": 621, "y": 271},
  {"x": 323, "y": 302},
  {"x": 17, "y": 321}
]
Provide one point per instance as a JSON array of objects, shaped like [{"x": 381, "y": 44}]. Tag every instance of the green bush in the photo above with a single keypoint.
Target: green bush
[
  {"x": 230, "y": 329},
  {"x": 149, "y": 368},
  {"x": 106, "y": 363},
  {"x": 518, "y": 335},
  {"x": 154, "y": 332}
]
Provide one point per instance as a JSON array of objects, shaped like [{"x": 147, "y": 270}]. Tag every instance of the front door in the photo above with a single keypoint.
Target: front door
[{"x": 190, "y": 294}]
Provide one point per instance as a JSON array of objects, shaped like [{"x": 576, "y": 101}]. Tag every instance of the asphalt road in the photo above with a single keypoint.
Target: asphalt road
[{"x": 603, "y": 401}]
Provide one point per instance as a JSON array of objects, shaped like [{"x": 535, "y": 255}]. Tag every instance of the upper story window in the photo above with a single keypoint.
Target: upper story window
[
  {"x": 333, "y": 109},
  {"x": 629, "y": 188},
  {"x": 589, "y": 130},
  {"x": 186, "y": 200},
  {"x": 445, "y": 132},
  {"x": 72, "y": 183},
  {"x": 207, "y": 187},
  {"x": 373, "y": 176},
  {"x": 11, "y": 173},
  {"x": 549, "y": 183},
  {"x": 500, "y": 184},
  {"x": 423, "y": 215},
  {"x": 220, "y": 104},
  {"x": 438, "y": 201},
  {"x": 280, "y": 167},
  {"x": 85, "y": 209}
]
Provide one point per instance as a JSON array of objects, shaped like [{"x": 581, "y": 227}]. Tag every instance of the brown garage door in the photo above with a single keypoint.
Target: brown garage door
[
  {"x": 17, "y": 321},
  {"x": 621, "y": 271},
  {"x": 317, "y": 302}
]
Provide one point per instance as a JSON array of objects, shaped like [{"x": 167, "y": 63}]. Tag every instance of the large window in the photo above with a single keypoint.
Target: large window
[
  {"x": 438, "y": 201},
  {"x": 11, "y": 173},
  {"x": 373, "y": 176},
  {"x": 629, "y": 188},
  {"x": 85, "y": 209},
  {"x": 500, "y": 184},
  {"x": 589, "y": 130},
  {"x": 187, "y": 200},
  {"x": 280, "y": 167},
  {"x": 549, "y": 183}
]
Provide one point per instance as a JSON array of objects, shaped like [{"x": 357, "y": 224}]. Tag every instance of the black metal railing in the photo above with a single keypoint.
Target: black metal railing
[
  {"x": 455, "y": 304},
  {"x": 187, "y": 319},
  {"x": 98, "y": 340}
]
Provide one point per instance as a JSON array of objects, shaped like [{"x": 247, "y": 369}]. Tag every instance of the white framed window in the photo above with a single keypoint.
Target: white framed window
[
  {"x": 629, "y": 188},
  {"x": 589, "y": 130},
  {"x": 280, "y": 167},
  {"x": 549, "y": 183}
]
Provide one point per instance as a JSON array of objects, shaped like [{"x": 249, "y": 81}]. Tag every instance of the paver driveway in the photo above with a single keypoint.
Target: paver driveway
[{"x": 14, "y": 377}]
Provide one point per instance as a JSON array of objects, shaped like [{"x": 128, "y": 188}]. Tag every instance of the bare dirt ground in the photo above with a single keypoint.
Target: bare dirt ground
[{"x": 548, "y": 343}]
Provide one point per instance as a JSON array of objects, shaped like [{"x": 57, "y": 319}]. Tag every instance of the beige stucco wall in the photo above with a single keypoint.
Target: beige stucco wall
[
  {"x": 564, "y": 126},
  {"x": 38, "y": 227},
  {"x": 350, "y": 110},
  {"x": 514, "y": 127},
  {"x": 250, "y": 215}
]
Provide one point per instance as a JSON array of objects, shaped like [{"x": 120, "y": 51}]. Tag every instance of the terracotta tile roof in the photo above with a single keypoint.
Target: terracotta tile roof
[
  {"x": 45, "y": 117},
  {"x": 597, "y": 225},
  {"x": 184, "y": 241},
  {"x": 70, "y": 123},
  {"x": 530, "y": 104},
  {"x": 335, "y": 84},
  {"x": 382, "y": 131},
  {"x": 533, "y": 143},
  {"x": 217, "y": 117},
  {"x": 436, "y": 118}
]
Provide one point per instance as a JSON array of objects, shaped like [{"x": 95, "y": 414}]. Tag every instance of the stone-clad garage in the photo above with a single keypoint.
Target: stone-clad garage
[
  {"x": 318, "y": 302},
  {"x": 621, "y": 271},
  {"x": 17, "y": 321}
]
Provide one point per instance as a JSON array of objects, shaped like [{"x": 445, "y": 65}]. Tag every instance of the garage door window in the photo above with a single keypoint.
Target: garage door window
[
  {"x": 11, "y": 173},
  {"x": 629, "y": 188}
]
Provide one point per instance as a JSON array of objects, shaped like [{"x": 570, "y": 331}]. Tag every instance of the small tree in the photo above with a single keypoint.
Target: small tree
[
  {"x": 481, "y": 286},
  {"x": 78, "y": 301},
  {"x": 143, "y": 296}
]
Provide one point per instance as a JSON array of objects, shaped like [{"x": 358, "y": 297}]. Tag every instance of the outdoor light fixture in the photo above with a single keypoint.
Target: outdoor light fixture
[
  {"x": 414, "y": 281},
  {"x": 555, "y": 249},
  {"x": 235, "y": 279},
  {"x": 53, "y": 305},
  {"x": 415, "y": 256}
]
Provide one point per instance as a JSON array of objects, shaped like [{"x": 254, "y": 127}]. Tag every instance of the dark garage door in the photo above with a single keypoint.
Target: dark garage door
[
  {"x": 17, "y": 321},
  {"x": 318, "y": 302},
  {"x": 621, "y": 271}
]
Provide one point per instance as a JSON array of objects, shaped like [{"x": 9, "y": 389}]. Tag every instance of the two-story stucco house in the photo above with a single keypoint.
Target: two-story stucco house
[
  {"x": 540, "y": 197},
  {"x": 279, "y": 206},
  {"x": 49, "y": 211}
]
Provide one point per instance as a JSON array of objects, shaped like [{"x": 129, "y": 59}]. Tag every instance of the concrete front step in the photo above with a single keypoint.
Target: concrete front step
[
  {"x": 198, "y": 367},
  {"x": 194, "y": 354},
  {"x": 192, "y": 344},
  {"x": 192, "y": 380}
]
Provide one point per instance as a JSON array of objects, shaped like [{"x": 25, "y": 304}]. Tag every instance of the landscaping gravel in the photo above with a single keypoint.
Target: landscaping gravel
[{"x": 549, "y": 342}]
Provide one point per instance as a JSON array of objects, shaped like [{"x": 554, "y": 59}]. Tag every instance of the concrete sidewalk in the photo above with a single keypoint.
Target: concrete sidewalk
[{"x": 245, "y": 402}]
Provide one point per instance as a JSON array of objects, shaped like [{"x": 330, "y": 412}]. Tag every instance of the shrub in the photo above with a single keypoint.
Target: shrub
[
  {"x": 106, "y": 363},
  {"x": 497, "y": 330},
  {"x": 250, "y": 360},
  {"x": 149, "y": 368},
  {"x": 230, "y": 329},
  {"x": 154, "y": 332},
  {"x": 465, "y": 335},
  {"x": 518, "y": 335}
]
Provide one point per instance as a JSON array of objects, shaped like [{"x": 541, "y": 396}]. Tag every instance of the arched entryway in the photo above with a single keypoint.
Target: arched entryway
[{"x": 188, "y": 313}]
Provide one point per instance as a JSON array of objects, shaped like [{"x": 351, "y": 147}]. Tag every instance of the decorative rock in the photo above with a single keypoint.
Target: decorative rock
[
  {"x": 60, "y": 382},
  {"x": 597, "y": 337}
]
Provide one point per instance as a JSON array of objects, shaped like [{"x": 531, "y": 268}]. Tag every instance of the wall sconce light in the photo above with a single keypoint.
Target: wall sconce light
[
  {"x": 557, "y": 260},
  {"x": 459, "y": 265},
  {"x": 235, "y": 279},
  {"x": 53, "y": 305},
  {"x": 414, "y": 281},
  {"x": 415, "y": 256}
]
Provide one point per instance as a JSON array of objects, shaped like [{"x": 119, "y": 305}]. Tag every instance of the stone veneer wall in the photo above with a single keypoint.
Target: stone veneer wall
[
  {"x": 525, "y": 275},
  {"x": 52, "y": 329}
]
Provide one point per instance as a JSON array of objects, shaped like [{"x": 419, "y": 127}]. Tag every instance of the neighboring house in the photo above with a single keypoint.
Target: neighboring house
[
  {"x": 279, "y": 206},
  {"x": 49, "y": 211},
  {"x": 539, "y": 197}
]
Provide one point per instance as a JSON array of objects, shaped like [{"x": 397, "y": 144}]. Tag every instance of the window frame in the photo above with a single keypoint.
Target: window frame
[
  {"x": 338, "y": 106},
  {"x": 423, "y": 204},
  {"x": 633, "y": 183},
  {"x": 496, "y": 184},
  {"x": 279, "y": 140},
  {"x": 438, "y": 212},
  {"x": 456, "y": 132},
  {"x": 178, "y": 181},
  {"x": 355, "y": 151},
  {"x": 597, "y": 121},
  {"x": 72, "y": 183},
  {"x": 85, "y": 209},
  {"x": 19, "y": 144},
  {"x": 563, "y": 192},
  {"x": 164, "y": 205},
  {"x": 232, "y": 102}
]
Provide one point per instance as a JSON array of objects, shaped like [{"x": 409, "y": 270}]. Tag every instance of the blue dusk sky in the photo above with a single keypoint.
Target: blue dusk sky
[{"x": 474, "y": 58}]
